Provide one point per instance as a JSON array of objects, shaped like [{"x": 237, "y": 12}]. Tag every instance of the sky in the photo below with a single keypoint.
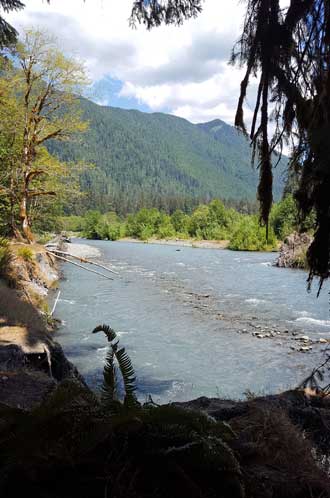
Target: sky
[{"x": 179, "y": 70}]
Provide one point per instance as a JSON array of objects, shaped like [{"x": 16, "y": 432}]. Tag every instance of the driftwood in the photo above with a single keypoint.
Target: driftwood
[
  {"x": 79, "y": 266},
  {"x": 82, "y": 260},
  {"x": 55, "y": 304}
]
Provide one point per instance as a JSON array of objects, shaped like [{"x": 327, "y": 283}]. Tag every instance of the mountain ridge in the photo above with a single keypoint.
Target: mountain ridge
[{"x": 158, "y": 159}]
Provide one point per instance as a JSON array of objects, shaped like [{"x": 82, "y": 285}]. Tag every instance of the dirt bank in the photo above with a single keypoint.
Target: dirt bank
[{"x": 31, "y": 362}]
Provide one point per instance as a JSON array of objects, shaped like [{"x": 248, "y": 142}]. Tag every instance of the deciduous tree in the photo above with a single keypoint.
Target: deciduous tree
[{"x": 45, "y": 86}]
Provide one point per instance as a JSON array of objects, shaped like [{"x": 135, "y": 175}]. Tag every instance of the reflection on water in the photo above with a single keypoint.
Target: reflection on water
[{"x": 178, "y": 314}]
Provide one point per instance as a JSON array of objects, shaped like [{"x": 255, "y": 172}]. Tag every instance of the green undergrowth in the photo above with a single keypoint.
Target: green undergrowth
[
  {"x": 26, "y": 253},
  {"x": 6, "y": 259}
]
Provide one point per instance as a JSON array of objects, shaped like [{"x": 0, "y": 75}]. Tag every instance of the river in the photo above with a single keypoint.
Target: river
[{"x": 187, "y": 317}]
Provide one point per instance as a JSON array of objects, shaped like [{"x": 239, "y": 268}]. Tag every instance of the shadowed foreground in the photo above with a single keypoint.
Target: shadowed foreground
[{"x": 71, "y": 447}]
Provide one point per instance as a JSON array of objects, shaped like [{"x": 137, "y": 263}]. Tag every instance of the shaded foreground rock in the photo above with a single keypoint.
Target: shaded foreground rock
[
  {"x": 250, "y": 449},
  {"x": 310, "y": 412},
  {"x": 24, "y": 389},
  {"x": 29, "y": 375}
]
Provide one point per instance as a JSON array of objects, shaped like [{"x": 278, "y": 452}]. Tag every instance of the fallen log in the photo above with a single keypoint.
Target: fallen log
[
  {"x": 83, "y": 260},
  {"x": 77, "y": 264}
]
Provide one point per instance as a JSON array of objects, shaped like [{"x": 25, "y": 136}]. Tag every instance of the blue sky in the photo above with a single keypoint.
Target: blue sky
[{"x": 106, "y": 91}]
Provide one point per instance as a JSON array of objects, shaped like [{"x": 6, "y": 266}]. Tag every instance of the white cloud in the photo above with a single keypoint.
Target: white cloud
[{"x": 181, "y": 70}]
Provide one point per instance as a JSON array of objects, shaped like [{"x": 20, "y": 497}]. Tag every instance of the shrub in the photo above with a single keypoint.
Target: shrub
[
  {"x": 146, "y": 233},
  {"x": 166, "y": 229},
  {"x": 212, "y": 221},
  {"x": 45, "y": 237},
  {"x": 6, "y": 258},
  {"x": 180, "y": 221},
  {"x": 144, "y": 224},
  {"x": 114, "y": 232},
  {"x": 284, "y": 217},
  {"x": 26, "y": 254},
  {"x": 72, "y": 223},
  {"x": 101, "y": 230},
  {"x": 250, "y": 236},
  {"x": 91, "y": 220}
]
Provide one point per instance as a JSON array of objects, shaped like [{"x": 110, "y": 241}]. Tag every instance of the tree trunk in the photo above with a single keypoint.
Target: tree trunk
[
  {"x": 14, "y": 230},
  {"x": 23, "y": 213}
]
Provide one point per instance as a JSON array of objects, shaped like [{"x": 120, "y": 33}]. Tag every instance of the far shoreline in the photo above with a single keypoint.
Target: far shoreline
[
  {"x": 193, "y": 243},
  {"x": 198, "y": 244}
]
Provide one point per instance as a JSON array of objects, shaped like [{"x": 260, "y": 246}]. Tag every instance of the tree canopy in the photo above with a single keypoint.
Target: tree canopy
[
  {"x": 288, "y": 51},
  {"x": 38, "y": 102}
]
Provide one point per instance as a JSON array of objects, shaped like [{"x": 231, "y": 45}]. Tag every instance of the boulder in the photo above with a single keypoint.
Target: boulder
[{"x": 293, "y": 251}]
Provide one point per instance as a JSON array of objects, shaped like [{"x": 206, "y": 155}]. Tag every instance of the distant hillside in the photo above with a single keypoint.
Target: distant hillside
[{"x": 160, "y": 160}]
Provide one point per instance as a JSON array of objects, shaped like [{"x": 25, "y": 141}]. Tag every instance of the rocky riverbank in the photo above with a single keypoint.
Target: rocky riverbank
[
  {"x": 31, "y": 362},
  {"x": 77, "y": 250},
  {"x": 293, "y": 251},
  {"x": 200, "y": 244}
]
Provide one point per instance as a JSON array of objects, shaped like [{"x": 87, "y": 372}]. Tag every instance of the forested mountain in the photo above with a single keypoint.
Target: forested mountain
[{"x": 145, "y": 160}]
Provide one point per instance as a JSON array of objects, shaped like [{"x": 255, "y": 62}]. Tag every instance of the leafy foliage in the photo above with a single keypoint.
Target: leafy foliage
[
  {"x": 285, "y": 218},
  {"x": 26, "y": 254},
  {"x": 250, "y": 236},
  {"x": 159, "y": 451},
  {"x": 213, "y": 221},
  {"x": 37, "y": 87},
  {"x": 94, "y": 225},
  {"x": 6, "y": 257}
]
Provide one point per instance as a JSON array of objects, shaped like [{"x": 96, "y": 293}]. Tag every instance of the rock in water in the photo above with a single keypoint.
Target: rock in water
[{"x": 293, "y": 251}]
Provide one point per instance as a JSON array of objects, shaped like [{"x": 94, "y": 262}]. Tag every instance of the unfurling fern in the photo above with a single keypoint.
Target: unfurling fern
[{"x": 109, "y": 394}]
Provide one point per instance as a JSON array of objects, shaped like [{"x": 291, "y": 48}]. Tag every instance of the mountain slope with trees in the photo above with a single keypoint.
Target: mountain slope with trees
[{"x": 159, "y": 160}]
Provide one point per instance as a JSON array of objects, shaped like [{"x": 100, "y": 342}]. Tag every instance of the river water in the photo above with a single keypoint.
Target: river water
[{"x": 186, "y": 317}]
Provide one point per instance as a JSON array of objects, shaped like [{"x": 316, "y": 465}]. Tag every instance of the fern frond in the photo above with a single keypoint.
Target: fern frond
[
  {"x": 109, "y": 387},
  {"x": 109, "y": 332},
  {"x": 109, "y": 396},
  {"x": 128, "y": 374}
]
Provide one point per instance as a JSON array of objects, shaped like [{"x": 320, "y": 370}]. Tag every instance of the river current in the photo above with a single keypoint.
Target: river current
[{"x": 188, "y": 319}]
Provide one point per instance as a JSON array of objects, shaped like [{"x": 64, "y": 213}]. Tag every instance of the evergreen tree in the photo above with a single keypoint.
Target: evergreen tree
[{"x": 8, "y": 33}]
